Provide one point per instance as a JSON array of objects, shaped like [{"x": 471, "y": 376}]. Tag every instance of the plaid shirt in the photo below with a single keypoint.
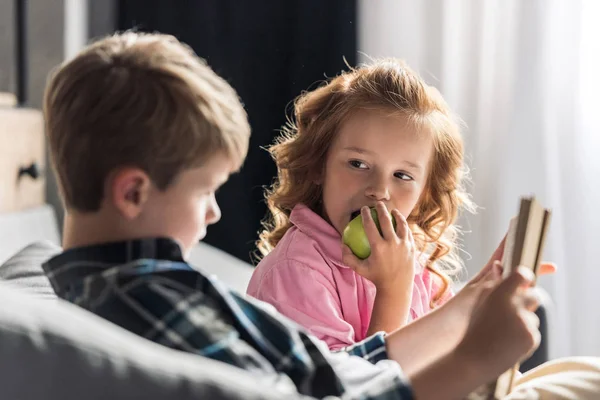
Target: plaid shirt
[{"x": 146, "y": 287}]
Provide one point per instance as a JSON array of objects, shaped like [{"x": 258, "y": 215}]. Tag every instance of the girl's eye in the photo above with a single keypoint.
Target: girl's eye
[
  {"x": 403, "y": 176},
  {"x": 358, "y": 164}
]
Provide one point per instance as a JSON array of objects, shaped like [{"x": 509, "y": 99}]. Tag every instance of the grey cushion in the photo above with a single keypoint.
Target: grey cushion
[
  {"x": 54, "y": 350},
  {"x": 212, "y": 261},
  {"x": 24, "y": 269},
  {"x": 18, "y": 229}
]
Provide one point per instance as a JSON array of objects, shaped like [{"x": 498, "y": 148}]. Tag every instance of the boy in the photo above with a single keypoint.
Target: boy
[{"x": 142, "y": 133}]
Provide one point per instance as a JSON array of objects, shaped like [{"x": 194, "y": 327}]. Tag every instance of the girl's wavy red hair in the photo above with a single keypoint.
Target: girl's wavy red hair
[{"x": 391, "y": 86}]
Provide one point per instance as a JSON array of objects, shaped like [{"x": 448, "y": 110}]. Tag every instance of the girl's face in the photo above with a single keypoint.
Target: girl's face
[{"x": 374, "y": 157}]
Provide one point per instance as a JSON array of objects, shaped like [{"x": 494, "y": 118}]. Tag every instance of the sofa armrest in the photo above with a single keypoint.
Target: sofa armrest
[{"x": 54, "y": 350}]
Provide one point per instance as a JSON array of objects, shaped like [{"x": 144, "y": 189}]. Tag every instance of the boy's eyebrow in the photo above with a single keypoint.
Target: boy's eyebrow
[{"x": 360, "y": 150}]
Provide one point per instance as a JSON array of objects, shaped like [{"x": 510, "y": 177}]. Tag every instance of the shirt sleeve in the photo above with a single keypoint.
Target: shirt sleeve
[
  {"x": 316, "y": 306},
  {"x": 367, "y": 373},
  {"x": 363, "y": 369}
]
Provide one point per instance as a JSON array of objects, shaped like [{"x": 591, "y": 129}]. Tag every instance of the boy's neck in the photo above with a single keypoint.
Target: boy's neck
[{"x": 88, "y": 229}]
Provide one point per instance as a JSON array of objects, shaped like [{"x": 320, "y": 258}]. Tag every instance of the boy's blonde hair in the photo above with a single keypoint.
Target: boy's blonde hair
[
  {"x": 301, "y": 152},
  {"x": 139, "y": 100}
]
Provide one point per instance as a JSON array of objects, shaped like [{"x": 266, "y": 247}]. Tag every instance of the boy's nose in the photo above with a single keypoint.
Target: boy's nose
[{"x": 213, "y": 212}]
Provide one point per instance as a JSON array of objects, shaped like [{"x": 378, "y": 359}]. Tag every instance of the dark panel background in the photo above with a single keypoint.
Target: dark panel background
[{"x": 269, "y": 51}]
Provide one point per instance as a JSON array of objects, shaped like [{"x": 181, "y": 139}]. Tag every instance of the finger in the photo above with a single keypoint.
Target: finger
[
  {"x": 532, "y": 321},
  {"x": 499, "y": 252},
  {"x": 531, "y": 299},
  {"x": 496, "y": 256},
  {"x": 409, "y": 235},
  {"x": 521, "y": 277},
  {"x": 547, "y": 268},
  {"x": 483, "y": 273},
  {"x": 402, "y": 229},
  {"x": 536, "y": 339},
  {"x": 369, "y": 224},
  {"x": 492, "y": 274},
  {"x": 495, "y": 272},
  {"x": 532, "y": 324},
  {"x": 385, "y": 221}
]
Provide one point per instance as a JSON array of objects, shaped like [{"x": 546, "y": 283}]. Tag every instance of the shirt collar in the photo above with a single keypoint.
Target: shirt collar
[
  {"x": 76, "y": 264},
  {"x": 322, "y": 232},
  {"x": 327, "y": 238}
]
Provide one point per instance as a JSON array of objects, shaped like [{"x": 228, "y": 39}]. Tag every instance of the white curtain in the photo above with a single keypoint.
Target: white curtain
[{"x": 525, "y": 77}]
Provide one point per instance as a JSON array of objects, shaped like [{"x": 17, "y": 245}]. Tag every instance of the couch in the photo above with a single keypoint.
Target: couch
[{"x": 50, "y": 349}]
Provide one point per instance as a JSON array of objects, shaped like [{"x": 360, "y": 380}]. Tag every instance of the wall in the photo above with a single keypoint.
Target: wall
[{"x": 57, "y": 29}]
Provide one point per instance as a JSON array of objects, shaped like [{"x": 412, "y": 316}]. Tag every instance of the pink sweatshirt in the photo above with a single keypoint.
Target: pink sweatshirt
[{"x": 305, "y": 279}]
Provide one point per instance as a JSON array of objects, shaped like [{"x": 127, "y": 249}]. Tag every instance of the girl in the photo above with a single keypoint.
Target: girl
[{"x": 375, "y": 136}]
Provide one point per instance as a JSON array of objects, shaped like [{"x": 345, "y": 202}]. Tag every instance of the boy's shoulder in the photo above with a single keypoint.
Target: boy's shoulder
[{"x": 132, "y": 264}]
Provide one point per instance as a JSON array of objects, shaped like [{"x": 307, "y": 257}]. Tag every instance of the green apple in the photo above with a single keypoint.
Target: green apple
[{"x": 355, "y": 237}]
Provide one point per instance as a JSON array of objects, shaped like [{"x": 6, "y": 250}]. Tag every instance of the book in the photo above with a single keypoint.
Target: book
[
  {"x": 526, "y": 236},
  {"x": 524, "y": 246}
]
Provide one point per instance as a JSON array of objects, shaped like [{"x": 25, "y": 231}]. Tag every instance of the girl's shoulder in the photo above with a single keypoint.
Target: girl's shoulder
[
  {"x": 295, "y": 249},
  {"x": 294, "y": 261}
]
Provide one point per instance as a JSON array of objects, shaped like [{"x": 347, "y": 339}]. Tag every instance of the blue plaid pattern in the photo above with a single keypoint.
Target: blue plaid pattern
[{"x": 145, "y": 286}]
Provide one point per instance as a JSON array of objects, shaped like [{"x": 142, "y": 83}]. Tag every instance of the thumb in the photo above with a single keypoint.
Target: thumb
[
  {"x": 521, "y": 277},
  {"x": 350, "y": 260}
]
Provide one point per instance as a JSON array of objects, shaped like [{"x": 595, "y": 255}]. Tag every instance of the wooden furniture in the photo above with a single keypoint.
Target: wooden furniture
[
  {"x": 22, "y": 150},
  {"x": 22, "y": 158}
]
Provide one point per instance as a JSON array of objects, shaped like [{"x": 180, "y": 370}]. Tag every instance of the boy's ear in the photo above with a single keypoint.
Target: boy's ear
[{"x": 129, "y": 191}]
